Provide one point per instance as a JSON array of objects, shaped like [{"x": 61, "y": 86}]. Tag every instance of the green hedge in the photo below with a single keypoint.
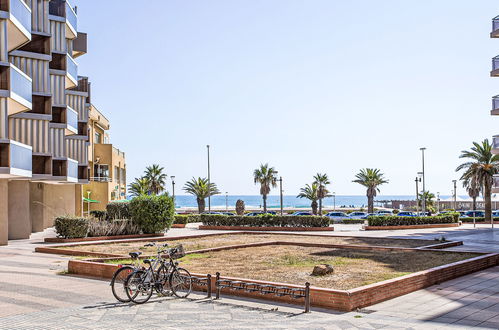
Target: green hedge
[
  {"x": 118, "y": 210},
  {"x": 477, "y": 219},
  {"x": 71, "y": 227},
  {"x": 186, "y": 218},
  {"x": 101, "y": 215},
  {"x": 266, "y": 220},
  {"x": 153, "y": 214},
  {"x": 408, "y": 221},
  {"x": 98, "y": 228},
  {"x": 352, "y": 221}
]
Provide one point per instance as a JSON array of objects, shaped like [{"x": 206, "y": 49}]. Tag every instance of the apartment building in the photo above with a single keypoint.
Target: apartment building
[
  {"x": 107, "y": 167},
  {"x": 44, "y": 115},
  {"x": 495, "y": 99}
]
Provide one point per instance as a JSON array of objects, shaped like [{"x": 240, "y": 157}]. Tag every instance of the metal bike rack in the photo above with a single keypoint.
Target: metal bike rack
[
  {"x": 201, "y": 280},
  {"x": 263, "y": 289}
]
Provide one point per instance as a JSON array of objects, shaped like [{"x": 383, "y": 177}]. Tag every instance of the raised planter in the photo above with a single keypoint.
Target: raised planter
[
  {"x": 437, "y": 225},
  {"x": 98, "y": 238},
  {"x": 266, "y": 228},
  {"x": 178, "y": 225}
]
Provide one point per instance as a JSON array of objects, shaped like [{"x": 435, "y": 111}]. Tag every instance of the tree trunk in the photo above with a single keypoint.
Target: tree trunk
[
  {"x": 320, "y": 206},
  {"x": 314, "y": 207},
  {"x": 488, "y": 202},
  {"x": 264, "y": 203},
  {"x": 474, "y": 203},
  {"x": 370, "y": 203},
  {"x": 201, "y": 205}
]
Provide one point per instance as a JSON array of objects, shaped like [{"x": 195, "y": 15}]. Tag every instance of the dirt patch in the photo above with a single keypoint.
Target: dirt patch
[
  {"x": 293, "y": 264},
  {"x": 191, "y": 244}
]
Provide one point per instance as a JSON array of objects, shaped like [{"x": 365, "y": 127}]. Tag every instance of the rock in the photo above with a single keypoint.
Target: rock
[{"x": 323, "y": 269}]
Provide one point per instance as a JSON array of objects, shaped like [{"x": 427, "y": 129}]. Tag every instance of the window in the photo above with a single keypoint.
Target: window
[
  {"x": 98, "y": 137},
  {"x": 101, "y": 171},
  {"x": 116, "y": 174}
]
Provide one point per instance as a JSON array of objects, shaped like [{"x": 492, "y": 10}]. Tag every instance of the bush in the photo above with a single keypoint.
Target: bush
[
  {"x": 265, "y": 220},
  {"x": 112, "y": 228},
  {"x": 71, "y": 227},
  {"x": 101, "y": 215},
  {"x": 153, "y": 214},
  {"x": 477, "y": 219},
  {"x": 408, "y": 221},
  {"x": 181, "y": 219},
  {"x": 118, "y": 210},
  {"x": 352, "y": 221}
]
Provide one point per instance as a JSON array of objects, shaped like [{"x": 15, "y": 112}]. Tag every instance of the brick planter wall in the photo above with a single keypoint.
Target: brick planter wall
[
  {"x": 266, "y": 228},
  {"x": 443, "y": 225},
  {"x": 178, "y": 225},
  {"x": 98, "y": 238}
]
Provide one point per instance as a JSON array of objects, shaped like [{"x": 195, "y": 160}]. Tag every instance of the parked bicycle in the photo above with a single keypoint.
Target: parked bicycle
[{"x": 140, "y": 283}]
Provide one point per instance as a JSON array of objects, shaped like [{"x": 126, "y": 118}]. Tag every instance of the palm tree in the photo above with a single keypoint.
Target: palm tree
[
  {"x": 321, "y": 180},
  {"x": 310, "y": 192},
  {"x": 156, "y": 177},
  {"x": 266, "y": 177},
  {"x": 371, "y": 178},
  {"x": 429, "y": 199},
  {"x": 139, "y": 187},
  {"x": 472, "y": 188},
  {"x": 481, "y": 167},
  {"x": 201, "y": 189}
]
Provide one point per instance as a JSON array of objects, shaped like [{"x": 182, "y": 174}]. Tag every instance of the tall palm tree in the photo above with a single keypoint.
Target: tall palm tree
[
  {"x": 321, "y": 180},
  {"x": 201, "y": 189},
  {"x": 371, "y": 178},
  {"x": 429, "y": 199},
  {"x": 156, "y": 177},
  {"x": 310, "y": 192},
  {"x": 472, "y": 188},
  {"x": 266, "y": 177},
  {"x": 482, "y": 166},
  {"x": 139, "y": 187}
]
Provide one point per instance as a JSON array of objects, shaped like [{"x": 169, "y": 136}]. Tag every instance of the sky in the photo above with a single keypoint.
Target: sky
[{"x": 307, "y": 86}]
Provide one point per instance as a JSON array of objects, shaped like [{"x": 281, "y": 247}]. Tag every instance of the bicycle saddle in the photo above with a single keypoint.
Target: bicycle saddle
[{"x": 135, "y": 255}]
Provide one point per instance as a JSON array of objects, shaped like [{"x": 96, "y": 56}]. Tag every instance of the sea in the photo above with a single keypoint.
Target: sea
[{"x": 289, "y": 201}]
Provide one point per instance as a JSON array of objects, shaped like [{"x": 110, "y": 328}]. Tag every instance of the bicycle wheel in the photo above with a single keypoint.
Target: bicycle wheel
[
  {"x": 118, "y": 283},
  {"x": 181, "y": 282},
  {"x": 163, "y": 277},
  {"x": 139, "y": 287}
]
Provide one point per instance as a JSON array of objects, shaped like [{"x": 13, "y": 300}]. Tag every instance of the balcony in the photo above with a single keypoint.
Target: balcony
[
  {"x": 495, "y": 27},
  {"x": 15, "y": 85},
  {"x": 71, "y": 72},
  {"x": 65, "y": 170},
  {"x": 62, "y": 8},
  {"x": 18, "y": 16},
  {"x": 15, "y": 159},
  {"x": 495, "y": 184},
  {"x": 495, "y": 105},
  {"x": 80, "y": 45},
  {"x": 101, "y": 179},
  {"x": 495, "y": 67},
  {"x": 495, "y": 145},
  {"x": 71, "y": 121}
]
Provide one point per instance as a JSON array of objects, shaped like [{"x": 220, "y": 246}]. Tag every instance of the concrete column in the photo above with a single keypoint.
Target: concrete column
[
  {"x": 79, "y": 200},
  {"x": 4, "y": 212},
  {"x": 37, "y": 206},
  {"x": 59, "y": 199},
  {"x": 19, "y": 210}
]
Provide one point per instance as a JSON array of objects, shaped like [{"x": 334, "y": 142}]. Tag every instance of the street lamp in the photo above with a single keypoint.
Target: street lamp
[
  {"x": 418, "y": 179},
  {"x": 226, "y": 202},
  {"x": 280, "y": 192},
  {"x": 209, "y": 182},
  {"x": 438, "y": 202},
  {"x": 334, "y": 201},
  {"x": 173, "y": 190},
  {"x": 423, "y": 202},
  {"x": 455, "y": 195}
]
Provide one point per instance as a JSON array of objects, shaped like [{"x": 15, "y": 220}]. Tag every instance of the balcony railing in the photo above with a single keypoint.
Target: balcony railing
[
  {"x": 20, "y": 84},
  {"x": 495, "y": 103},
  {"x": 22, "y": 13},
  {"x": 72, "y": 170},
  {"x": 101, "y": 179},
  {"x": 72, "y": 69},
  {"x": 62, "y": 8},
  {"x": 495, "y": 63},
  {"x": 495, "y": 185},
  {"x": 71, "y": 17},
  {"x": 495, "y": 142},
  {"x": 20, "y": 156},
  {"x": 495, "y": 27},
  {"x": 72, "y": 120}
]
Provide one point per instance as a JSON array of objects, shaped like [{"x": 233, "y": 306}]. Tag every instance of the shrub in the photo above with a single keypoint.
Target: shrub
[
  {"x": 112, "y": 228},
  {"x": 477, "y": 219},
  {"x": 181, "y": 219},
  {"x": 353, "y": 221},
  {"x": 118, "y": 210},
  {"x": 193, "y": 218},
  {"x": 265, "y": 220},
  {"x": 153, "y": 214},
  {"x": 405, "y": 221},
  {"x": 101, "y": 215},
  {"x": 240, "y": 207},
  {"x": 71, "y": 226}
]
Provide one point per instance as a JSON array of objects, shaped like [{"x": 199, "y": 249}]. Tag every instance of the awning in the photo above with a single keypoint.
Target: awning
[{"x": 88, "y": 200}]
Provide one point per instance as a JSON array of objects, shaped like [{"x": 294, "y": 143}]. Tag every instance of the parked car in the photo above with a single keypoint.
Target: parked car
[
  {"x": 475, "y": 214},
  {"x": 299, "y": 213},
  {"x": 253, "y": 214},
  {"x": 384, "y": 212},
  {"x": 211, "y": 212},
  {"x": 227, "y": 213},
  {"x": 462, "y": 214},
  {"x": 495, "y": 213},
  {"x": 358, "y": 215},
  {"x": 406, "y": 214},
  {"x": 337, "y": 215}
]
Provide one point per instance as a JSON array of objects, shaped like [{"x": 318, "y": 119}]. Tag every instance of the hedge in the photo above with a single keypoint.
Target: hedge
[
  {"x": 71, "y": 227},
  {"x": 186, "y": 218},
  {"x": 265, "y": 220},
  {"x": 153, "y": 214},
  {"x": 477, "y": 219},
  {"x": 409, "y": 221},
  {"x": 118, "y": 210},
  {"x": 101, "y": 215},
  {"x": 352, "y": 221},
  {"x": 98, "y": 228}
]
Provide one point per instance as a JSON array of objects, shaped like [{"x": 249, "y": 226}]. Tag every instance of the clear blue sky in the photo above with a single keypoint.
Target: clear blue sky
[{"x": 308, "y": 86}]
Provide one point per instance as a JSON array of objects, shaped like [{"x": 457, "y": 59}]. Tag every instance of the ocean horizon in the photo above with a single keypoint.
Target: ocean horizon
[{"x": 289, "y": 201}]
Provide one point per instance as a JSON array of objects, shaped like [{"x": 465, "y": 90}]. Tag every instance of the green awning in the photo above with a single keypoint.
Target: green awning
[{"x": 88, "y": 200}]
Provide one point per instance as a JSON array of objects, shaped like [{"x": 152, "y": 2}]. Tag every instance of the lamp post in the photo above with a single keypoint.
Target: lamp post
[
  {"x": 226, "y": 202},
  {"x": 209, "y": 182},
  {"x": 423, "y": 201},
  {"x": 418, "y": 179},
  {"x": 173, "y": 190},
  {"x": 280, "y": 192},
  {"x": 334, "y": 201},
  {"x": 438, "y": 202},
  {"x": 455, "y": 195}
]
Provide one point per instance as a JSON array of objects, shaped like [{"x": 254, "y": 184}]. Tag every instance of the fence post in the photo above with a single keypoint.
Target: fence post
[
  {"x": 208, "y": 284},
  {"x": 307, "y": 297},
  {"x": 217, "y": 286}
]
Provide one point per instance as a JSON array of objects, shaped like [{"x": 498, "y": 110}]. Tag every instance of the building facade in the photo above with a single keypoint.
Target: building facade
[
  {"x": 495, "y": 99},
  {"x": 107, "y": 167},
  {"x": 44, "y": 116}
]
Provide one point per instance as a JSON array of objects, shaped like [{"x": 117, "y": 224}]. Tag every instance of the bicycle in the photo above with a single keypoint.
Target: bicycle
[
  {"x": 119, "y": 278},
  {"x": 141, "y": 283}
]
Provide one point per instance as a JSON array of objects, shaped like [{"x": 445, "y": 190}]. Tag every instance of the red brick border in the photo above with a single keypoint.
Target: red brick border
[
  {"x": 98, "y": 238},
  {"x": 266, "y": 228},
  {"x": 442, "y": 225},
  {"x": 178, "y": 225}
]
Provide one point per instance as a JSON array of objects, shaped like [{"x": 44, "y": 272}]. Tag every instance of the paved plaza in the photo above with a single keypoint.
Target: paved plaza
[{"x": 35, "y": 293}]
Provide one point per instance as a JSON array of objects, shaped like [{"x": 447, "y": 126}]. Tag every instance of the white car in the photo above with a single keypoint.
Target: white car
[
  {"x": 384, "y": 212},
  {"x": 358, "y": 215},
  {"x": 337, "y": 216}
]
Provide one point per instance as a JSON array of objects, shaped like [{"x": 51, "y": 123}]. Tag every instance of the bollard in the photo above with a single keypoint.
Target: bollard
[
  {"x": 217, "y": 285},
  {"x": 208, "y": 284},
  {"x": 307, "y": 297}
]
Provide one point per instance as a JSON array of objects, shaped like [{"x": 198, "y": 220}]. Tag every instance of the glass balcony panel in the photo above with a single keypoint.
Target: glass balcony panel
[
  {"x": 72, "y": 68},
  {"x": 20, "y": 157},
  {"x": 72, "y": 118},
  {"x": 495, "y": 102},
  {"x": 71, "y": 17},
  {"x": 495, "y": 63},
  {"x": 22, "y": 13},
  {"x": 495, "y": 142},
  {"x": 72, "y": 169},
  {"x": 495, "y": 24},
  {"x": 20, "y": 83},
  {"x": 496, "y": 182}
]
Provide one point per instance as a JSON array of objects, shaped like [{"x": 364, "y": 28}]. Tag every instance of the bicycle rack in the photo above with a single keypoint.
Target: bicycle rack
[
  {"x": 201, "y": 280},
  {"x": 295, "y": 293}
]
